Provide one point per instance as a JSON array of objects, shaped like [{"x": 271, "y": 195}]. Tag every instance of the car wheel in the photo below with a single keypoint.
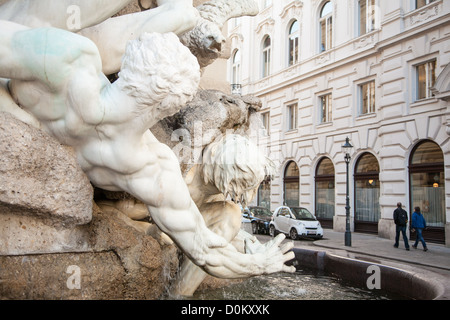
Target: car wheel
[
  {"x": 254, "y": 228},
  {"x": 272, "y": 231},
  {"x": 293, "y": 234}
]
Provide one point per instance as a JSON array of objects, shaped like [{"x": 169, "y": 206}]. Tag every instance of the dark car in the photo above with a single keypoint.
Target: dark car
[{"x": 260, "y": 218}]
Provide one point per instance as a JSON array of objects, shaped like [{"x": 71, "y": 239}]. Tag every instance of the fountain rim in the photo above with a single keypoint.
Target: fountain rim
[{"x": 412, "y": 282}]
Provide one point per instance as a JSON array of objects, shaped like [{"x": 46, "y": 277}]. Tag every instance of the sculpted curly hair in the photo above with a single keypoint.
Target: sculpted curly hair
[
  {"x": 157, "y": 70},
  {"x": 236, "y": 167}
]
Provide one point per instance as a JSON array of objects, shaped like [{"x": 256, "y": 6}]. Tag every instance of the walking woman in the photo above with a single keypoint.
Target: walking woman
[{"x": 418, "y": 223}]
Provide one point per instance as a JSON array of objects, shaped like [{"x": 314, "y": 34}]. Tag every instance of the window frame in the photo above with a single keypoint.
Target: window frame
[
  {"x": 291, "y": 180},
  {"x": 293, "y": 44},
  {"x": 372, "y": 108},
  {"x": 236, "y": 68},
  {"x": 326, "y": 117},
  {"x": 326, "y": 21},
  {"x": 427, "y": 2},
  {"x": 428, "y": 92},
  {"x": 292, "y": 116},
  {"x": 369, "y": 16},
  {"x": 266, "y": 56},
  {"x": 265, "y": 119}
]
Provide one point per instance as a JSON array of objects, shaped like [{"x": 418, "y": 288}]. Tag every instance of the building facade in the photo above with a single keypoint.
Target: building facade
[{"x": 374, "y": 71}]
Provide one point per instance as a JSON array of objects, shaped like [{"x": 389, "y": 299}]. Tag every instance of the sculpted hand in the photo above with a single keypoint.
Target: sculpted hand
[{"x": 274, "y": 255}]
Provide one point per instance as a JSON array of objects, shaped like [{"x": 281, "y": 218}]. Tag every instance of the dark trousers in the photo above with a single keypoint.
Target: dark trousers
[
  {"x": 419, "y": 237},
  {"x": 401, "y": 229}
]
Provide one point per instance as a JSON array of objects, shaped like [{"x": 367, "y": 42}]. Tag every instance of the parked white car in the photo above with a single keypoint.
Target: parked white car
[{"x": 295, "y": 222}]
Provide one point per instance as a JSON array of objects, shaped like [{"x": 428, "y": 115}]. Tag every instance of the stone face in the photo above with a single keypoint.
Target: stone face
[{"x": 39, "y": 177}]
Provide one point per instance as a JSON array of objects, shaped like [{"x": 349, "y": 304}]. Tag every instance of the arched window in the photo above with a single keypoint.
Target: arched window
[
  {"x": 367, "y": 194},
  {"x": 236, "y": 74},
  {"x": 293, "y": 43},
  {"x": 266, "y": 56},
  {"x": 326, "y": 26},
  {"x": 427, "y": 183},
  {"x": 291, "y": 184},
  {"x": 325, "y": 193},
  {"x": 264, "y": 194}
]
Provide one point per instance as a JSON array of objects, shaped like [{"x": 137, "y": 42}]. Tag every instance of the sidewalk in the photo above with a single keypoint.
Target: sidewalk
[{"x": 373, "y": 247}]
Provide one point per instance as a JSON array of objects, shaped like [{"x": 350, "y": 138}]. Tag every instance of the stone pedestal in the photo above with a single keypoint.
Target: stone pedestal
[{"x": 111, "y": 261}]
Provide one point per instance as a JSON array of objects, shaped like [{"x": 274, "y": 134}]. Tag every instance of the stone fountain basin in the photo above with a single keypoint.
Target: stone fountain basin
[{"x": 408, "y": 281}]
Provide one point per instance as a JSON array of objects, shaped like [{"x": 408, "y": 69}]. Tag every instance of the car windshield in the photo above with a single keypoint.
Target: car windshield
[
  {"x": 261, "y": 212},
  {"x": 302, "y": 214}
]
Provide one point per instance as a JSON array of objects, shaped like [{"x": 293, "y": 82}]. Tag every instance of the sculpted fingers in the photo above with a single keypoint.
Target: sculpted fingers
[
  {"x": 287, "y": 246},
  {"x": 279, "y": 239},
  {"x": 290, "y": 269}
]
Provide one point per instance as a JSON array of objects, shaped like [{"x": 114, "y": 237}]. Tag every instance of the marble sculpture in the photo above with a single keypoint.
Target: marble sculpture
[{"x": 54, "y": 79}]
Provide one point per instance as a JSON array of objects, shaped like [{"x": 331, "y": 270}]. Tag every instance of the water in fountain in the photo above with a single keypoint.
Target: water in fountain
[{"x": 302, "y": 285}]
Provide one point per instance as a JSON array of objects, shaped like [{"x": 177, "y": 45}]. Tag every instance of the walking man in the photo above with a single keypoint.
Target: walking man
[
  {"x": 419, "y": 223},
  {"x": 401, "y": 220}
]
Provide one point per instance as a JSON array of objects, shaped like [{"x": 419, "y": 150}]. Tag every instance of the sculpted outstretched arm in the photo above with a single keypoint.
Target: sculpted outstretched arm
[
  {"x": 42, "y": 53},
  {"x": 160, "y": 185},
  {"x": 177, "y": 16},
  {"x": 57, "y": 13},
  {"x": 92, "y": 19},
  {"x": 10, "y": 63}
]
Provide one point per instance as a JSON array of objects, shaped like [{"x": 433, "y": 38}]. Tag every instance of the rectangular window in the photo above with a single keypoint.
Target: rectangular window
[
  {"x": 425, "y": 77},
  {"x": 292, "y": 117},
  {"x": 367, "y": 97},
  {"x": 421, "y": 3},
  {"x": 326, "y": 114},
  {"x": 265, "y": 118},
  {"x": 366, "y": 16}
]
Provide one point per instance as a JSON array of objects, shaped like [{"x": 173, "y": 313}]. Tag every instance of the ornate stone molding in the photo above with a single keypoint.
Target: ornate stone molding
[
  {"x": 265, "y": 26},
  {"x": 423, "y": 14},
  {"x": 294, "y": 9},
  {"x": 365, "y": 41},
  {"x": 236, "y": 39},
  {"x": 322, "y": 58}
]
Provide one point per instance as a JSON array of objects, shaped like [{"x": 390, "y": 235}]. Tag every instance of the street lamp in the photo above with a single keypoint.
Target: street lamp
[{"x": 346, "y": 149}]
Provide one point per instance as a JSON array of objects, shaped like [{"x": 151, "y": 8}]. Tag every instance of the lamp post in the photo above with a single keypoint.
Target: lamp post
[{"x": 346, "y": 148}]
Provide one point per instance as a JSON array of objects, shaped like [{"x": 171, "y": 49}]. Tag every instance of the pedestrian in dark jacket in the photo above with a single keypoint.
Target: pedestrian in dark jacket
[
  {"x": 418, "y": 223},
  {"x": 401, "y": 220}
]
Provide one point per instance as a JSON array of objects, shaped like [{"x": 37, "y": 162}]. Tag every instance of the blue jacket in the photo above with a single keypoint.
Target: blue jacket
[{"x": 418, "y": 221}]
